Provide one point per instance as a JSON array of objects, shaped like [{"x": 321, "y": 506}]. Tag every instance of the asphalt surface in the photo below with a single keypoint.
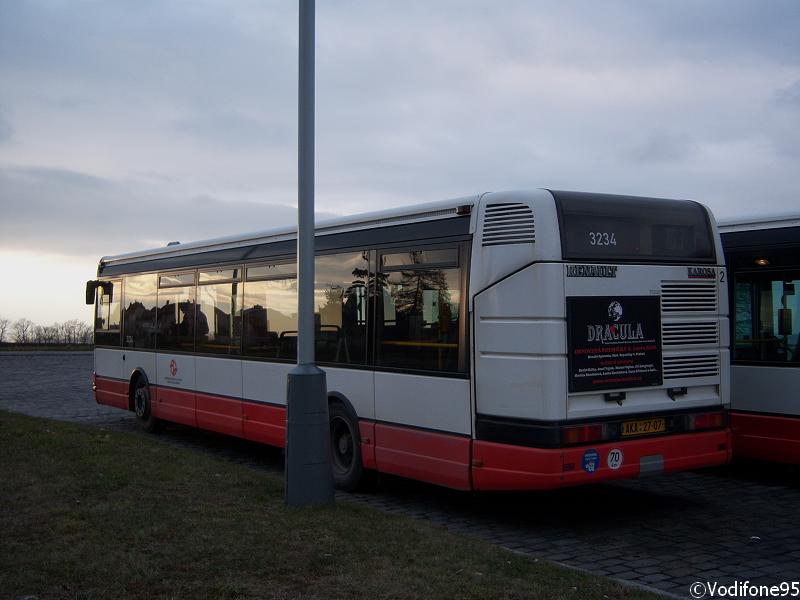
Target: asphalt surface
[{"x": 723, "y": 525}]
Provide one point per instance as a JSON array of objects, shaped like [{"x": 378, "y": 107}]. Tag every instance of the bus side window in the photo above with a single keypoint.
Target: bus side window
[
  {"x": 176, "y": 319},
  {"x": 766, "y": 312},
  {"x": 269, "y": 318},
  {"x": 340, "y": 307},
  {"x": 139, "y": 317},
  {"x": 219, "y": 318},
  {"x": 418, "y": 320}
]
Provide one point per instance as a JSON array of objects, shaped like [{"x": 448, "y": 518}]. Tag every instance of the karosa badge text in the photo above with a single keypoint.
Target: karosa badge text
[{"x": 702, "y": 273}]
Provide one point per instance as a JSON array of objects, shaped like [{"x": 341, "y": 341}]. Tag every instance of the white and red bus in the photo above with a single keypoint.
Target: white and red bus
[
  {"x": 507, "y": 341},
  {"x": 763, "y": 258}
]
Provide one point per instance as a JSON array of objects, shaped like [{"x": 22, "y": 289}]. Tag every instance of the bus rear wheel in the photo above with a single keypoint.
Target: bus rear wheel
[
  {"x": 142, "y": 406},
  {"x": 346, "y": 464}
]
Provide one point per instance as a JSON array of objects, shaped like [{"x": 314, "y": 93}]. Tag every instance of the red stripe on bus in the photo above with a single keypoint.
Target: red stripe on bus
[
  {"x": 264, "y": 423},
  {"x": 111, "y": 392},
  {"x": 506, "y": 467},
  {"x": 173, "y": 404},
  {"x": 220, "y": 414},
  {"x": 766, "y": 437},
  {"x": 439, "y": 458}
]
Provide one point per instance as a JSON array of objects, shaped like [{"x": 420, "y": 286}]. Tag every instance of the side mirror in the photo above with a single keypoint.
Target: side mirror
[{"x": 91, "y": 286}]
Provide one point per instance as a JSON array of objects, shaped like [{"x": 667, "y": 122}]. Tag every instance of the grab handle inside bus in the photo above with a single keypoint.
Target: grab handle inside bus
[{"x": 784, "y": 321}]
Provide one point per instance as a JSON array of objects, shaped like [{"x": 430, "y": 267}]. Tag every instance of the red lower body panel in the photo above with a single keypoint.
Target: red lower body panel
[
  {"x": 111, "y": 392},
  {"x": 459, "y": 462},
  {"x": 367, "y": 431},
  {"x": 264, "y": 423},
  {"x": 428, "y": 456},
  {"x": 766, "y": 437},
  {"x": 172, "y": 404},
  {"x": 218, "y": 413},
  {"x": 506, "y": 467}
]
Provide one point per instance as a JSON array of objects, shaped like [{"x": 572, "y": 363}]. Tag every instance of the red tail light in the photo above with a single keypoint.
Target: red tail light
[
  {"x": 713, "y": 420},
  {"x": 583, "y": 434}
]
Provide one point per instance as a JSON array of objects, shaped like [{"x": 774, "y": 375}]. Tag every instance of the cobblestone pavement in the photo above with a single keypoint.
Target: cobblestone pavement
[{"x": 736, "y": 523}]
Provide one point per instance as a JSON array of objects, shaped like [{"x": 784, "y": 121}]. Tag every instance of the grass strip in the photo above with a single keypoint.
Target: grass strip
[{"x": 93, "y": 513}]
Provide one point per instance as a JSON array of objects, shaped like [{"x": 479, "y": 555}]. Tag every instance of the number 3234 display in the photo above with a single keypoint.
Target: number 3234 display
[{"x": 614, "y": 342}]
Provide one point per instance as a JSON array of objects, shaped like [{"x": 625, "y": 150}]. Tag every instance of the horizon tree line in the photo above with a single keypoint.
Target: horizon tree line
[{"x": 25, "y": 331}]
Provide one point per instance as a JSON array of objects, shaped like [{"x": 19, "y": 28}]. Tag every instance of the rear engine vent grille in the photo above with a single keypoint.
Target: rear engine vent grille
[
  {"x": 508, "y": 223},
  {"x": 689, "y": 296},
  {"x": 700, "y": 365},
  {"x": 701, "y": 332}
]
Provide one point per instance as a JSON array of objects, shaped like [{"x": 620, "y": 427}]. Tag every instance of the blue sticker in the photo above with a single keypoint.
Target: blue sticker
[{"x": 591, "y": 461}]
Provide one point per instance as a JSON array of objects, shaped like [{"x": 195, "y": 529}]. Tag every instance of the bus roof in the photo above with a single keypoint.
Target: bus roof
[
  {"x": 749, "y": 223},
  {"x": 395, "y": 216}
]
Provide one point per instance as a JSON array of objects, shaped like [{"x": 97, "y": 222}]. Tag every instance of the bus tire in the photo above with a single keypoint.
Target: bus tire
[
  {"x": 142, "y": 406},
  {"x": 346, "y": 466}
]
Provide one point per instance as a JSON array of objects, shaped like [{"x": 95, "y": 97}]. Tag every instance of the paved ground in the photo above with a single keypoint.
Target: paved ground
[{"x": 737, "y": 523}]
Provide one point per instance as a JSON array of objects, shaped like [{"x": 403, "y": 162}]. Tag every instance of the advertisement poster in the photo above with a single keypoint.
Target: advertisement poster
[{"x": 614, "y": 342}]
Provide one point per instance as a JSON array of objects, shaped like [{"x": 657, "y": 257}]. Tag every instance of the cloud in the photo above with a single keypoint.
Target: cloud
[
  {"x": 6, "y": 132},
  {"x": 167, "y": 101},
  {"x": 789, "y": 95},
  {"x": 234, "y": 129},
  {"x": 63, "y": 212},
  {"x": 664, "y": 146}
]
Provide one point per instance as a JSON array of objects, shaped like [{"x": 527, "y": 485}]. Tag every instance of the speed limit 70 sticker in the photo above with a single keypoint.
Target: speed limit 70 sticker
[{"x": 614, "y": 458}]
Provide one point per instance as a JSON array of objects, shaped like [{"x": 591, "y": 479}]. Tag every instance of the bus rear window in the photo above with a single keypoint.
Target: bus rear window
[{"x": 629, "y": 228}]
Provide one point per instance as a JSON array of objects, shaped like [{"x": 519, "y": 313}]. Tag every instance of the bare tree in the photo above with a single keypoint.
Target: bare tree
[
  {"x": 71, "y": 331},
  {"x": 4, "y": 325},
  {"x": 25, "y": 331},
  {"x": 51, "y": 333},
  {"x": 62, "y": 333},
  {"x": 22, "y": 331},
  {"x": 85, "y": 333}
]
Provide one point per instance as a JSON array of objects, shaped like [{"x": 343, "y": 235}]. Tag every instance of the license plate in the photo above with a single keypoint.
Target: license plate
[{"x": 643, "y": 427}]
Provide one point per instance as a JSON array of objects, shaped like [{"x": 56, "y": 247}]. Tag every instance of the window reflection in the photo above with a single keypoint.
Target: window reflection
[
  {"x": 278, "y": 271},
  {"x": 767, "y": 318},
  {"x": 418, "y": 319},
  {"x": 269, "y": 315},
  {"x": 140, "y": 311},
  {"x": 176, "y": 319},
  {"x": 270, "y": 318},
  {"x": 107, "y": 314},
  {"x": 219, "y": 307},
  {"x": 218, "y": 275},
  {"x": 176, "y": 279},
  {"x": 340, "y": 307},
  {"x": 447, "y": 257}
]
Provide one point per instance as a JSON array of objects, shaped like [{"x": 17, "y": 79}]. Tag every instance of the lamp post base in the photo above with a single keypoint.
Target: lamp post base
[{"x": 308, "y": 479}]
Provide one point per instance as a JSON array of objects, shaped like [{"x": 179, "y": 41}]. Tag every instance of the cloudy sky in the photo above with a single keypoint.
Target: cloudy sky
[{"x": 125, "y": 124}]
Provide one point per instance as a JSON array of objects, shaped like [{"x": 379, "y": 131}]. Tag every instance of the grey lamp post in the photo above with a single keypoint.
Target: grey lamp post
[{"x": 308, "y": 468}]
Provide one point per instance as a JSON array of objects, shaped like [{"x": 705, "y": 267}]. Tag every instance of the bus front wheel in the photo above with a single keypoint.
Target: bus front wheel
[
  {"x": 142, "y": 406},
  {"x": 345, "y": 448}
]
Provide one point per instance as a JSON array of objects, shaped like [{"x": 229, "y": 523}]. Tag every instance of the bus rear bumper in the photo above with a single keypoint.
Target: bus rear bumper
[{"x": 507, "y": 467}]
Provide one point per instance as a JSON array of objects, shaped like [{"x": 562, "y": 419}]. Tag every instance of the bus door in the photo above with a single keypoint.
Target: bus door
[
  {"x": 422, "y": 391},
  {"x": 175, "y": 363}
]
